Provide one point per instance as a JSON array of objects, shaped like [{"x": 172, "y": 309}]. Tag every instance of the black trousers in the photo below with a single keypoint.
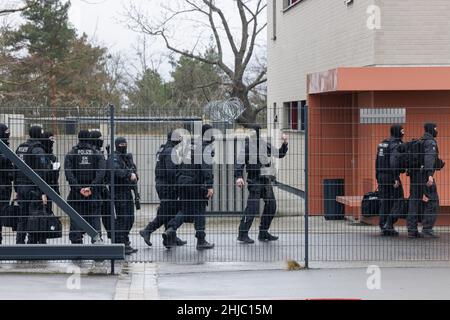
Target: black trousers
[
  {"x": 29, "y": 201},
  {"x": 124, "y": 206},
  {"x": 168, "y": 207},
  {"x": 419, "y": 189},
  {"x": 105, "y": 210},
  {"x": 259, "y": 189},
  {"x": 88, "y": 208},
  {"x": 5, "y": 196},
  {"x": 390, "y": 200},
  {"x": 193, "y": 205}
]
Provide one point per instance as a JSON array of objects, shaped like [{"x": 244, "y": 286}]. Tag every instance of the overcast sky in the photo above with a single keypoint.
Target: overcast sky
[{"x": 103, "y": 22}]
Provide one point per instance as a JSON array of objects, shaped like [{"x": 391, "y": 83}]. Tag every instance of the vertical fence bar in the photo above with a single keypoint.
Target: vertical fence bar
[
  {"x": 111, "y": 172},
  {"x": 306, "y": 187}
]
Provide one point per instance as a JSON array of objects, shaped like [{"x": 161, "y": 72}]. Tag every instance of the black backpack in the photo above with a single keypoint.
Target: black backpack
[{"x": 414, "y": 154}]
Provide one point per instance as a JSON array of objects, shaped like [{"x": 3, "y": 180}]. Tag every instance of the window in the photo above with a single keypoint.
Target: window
[
  {"x": 289, "y": 3},
  {"x": 295, "y": 115},
  {"x": 382, "y": 116}
]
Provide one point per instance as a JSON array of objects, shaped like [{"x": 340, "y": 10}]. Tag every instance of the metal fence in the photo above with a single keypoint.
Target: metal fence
[
  {"x": 342, "y": 154},
  {"x": 145, "y": 135},
  {"x": 319, "y": 185}
]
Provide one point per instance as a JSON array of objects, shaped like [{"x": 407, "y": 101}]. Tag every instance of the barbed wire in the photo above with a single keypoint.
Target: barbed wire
[{"x": 224, "y": 110}]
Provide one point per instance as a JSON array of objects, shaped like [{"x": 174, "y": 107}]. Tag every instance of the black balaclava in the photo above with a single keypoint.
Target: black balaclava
[
  {"x": 36, "y": 133},
  {"x": 120, "y": 149},
  {"x": 4, "y": 133},
  {"x": 431, "y": 129},
  {"x": 48, "y": 142},
  {"x": 97, "y": 140},
  {"x": 84, "y": 136},
  {"x": 396, "y": 131},
  {"x": 205, "y": 129},
  {"x": 174, "y": 137}
]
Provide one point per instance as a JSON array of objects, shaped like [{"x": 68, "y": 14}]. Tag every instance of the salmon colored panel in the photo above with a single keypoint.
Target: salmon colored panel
[{"x": 342, "y": 148}]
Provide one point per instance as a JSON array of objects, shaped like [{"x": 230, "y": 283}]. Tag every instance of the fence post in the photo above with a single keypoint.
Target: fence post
[
  {"x": 306, "y": 187},
  {"x": 111, "y": 172}
]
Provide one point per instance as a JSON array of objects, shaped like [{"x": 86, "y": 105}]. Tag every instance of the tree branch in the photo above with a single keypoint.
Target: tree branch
[{"x": 10, "y": 11}]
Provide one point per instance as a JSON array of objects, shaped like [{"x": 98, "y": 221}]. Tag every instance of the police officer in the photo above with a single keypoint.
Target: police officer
[
  {"x": 29, "y": 196},
  {"x": 423, "y": 186},
  {"x": 388, "y": 172},
  {"x": 98, "y": 143},
  {"x": 260, "y": 184},
  {"x": 85, "y": 171},
  {"x": 195, "y": 180},
  {"x": 125, "y": 175},
  {"x": 166, "y": 187},
  {"x": 6, "y": 174}
]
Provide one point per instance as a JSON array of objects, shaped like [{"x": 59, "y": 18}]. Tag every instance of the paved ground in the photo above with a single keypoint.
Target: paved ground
[
  {"x": 396, "y": 283},
  {"x": 56, "y": 287},
  {"x": 235, "y": 281},
  {"x": 330, "y": 241}
]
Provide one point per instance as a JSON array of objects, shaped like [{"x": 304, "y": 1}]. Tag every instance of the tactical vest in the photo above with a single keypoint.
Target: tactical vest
[
  {"x": 384, "y": 151},
  {"x": 84, "y": 161},
  {"x": 189, "y": 172},
  {"x": 160, "y": 164},
  {"x": 25, "y": 152}
]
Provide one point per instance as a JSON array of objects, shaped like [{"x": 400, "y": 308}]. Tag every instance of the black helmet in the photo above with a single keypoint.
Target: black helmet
[
  {"x": 84, "y": 136},
  {"x": 4, "y": 133},
  {"x": 36, "y": 132},
  {"x": 97, "y": 140}
]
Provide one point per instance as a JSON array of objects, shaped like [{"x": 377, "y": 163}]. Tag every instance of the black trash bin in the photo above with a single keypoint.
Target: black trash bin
[{"x": 333, "y": 210}]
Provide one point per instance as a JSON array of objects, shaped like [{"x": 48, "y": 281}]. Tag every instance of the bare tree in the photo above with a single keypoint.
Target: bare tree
[
  {"x": 213, "y": 18},
  {"x": 15, "y": 9}
]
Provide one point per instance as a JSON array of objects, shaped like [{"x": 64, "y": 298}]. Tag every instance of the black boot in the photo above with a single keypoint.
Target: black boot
[
  {"x": 129, "y": 250},
  {"x": 245, "y": 239},
  {"x": 389, "y": 231},
  {"x": 429, "y": 234},
  {"x": 145, "y": 234},
  {"x": 265, "y": 236},
  {"x": 202, "y": 244},
  {"x": 170, "y": 238},
  {"x": 414, "y": 235},
  {"x": 180, "y": 242}
]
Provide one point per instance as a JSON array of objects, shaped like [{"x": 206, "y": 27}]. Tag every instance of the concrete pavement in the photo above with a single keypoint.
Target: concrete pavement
[{"x": 232, "y": 281}]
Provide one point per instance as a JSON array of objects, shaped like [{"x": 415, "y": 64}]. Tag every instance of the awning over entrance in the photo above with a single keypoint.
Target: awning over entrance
[{"x": 380, "y": 79}]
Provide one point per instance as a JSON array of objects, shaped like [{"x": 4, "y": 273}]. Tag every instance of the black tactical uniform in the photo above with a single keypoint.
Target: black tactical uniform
[
  {"x": 166, "y": 187},
  {"x": 260, "y": 186},
  {"x": 124, "y": 168},
  {"x": 6, "y": 174},
  {"x": 84, "y": 167},
  {"x": 194, "y": 178},
  {"x": 97, "y": 142},
  {"x": 388, "y": 177},
  {"x": 29, "y": 195},
  {"x": 419, "y": 188},
  {"x": 52, "y": 176}
]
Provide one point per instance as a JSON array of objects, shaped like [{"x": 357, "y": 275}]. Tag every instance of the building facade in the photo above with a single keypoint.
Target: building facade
[{"x": 310, "y": 36}]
